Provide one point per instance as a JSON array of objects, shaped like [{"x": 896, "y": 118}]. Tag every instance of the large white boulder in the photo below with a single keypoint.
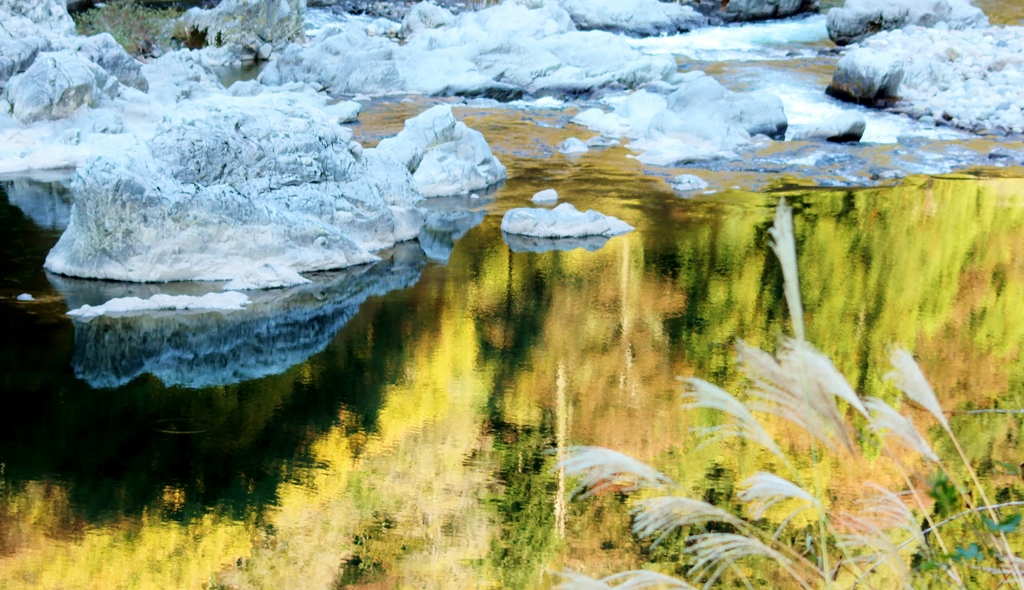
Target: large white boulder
[
  {"x": 564, "y": 221},
  {"x": 967, "y": 78},
  {"x": 231, "y": 184},
  {"x": 248, "y": 23},
  {"x": 107, "y": 53},
  {"x": 446, "y": 157},
  {"x": 56, "y": 85},
  {"x": 867, "y": 76},
  {"x": 499, "y": 52},
  {"x": 859, "y": 19},
  {"x": 20, "y": 19},
  {"x": 16, "y": 55},
  {"x": 639, "y": 18},
  {"x": 701, "y": 120},
  {"x": 259, "y": 187}
]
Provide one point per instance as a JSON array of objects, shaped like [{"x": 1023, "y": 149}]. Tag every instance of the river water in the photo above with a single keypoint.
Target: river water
[{"x": 396, "y": 425}]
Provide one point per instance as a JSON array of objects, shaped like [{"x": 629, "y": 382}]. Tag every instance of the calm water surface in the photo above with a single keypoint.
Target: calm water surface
[{"x": 396, "y": 425}]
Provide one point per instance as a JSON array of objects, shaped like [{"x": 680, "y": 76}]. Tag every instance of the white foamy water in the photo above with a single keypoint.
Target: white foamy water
[
  {"x": 748, "y": 42},
  {"x": 807, "y": 103}
]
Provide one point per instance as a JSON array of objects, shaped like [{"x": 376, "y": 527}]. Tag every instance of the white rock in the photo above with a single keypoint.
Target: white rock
[
  {"x": 54, "y": 86},
  {"x": 446, "y": 157},
  {"x": 701, "y": 120},
  {"x": 498, "y": 52},
  {"x": 963, "y": 78},
  {"x": 865, "y": 75},
  {"x": 846, "y": 127},
  {"x": 249, "y": 23},
  {"x": 384, "y": 27},
  {"x": 25, "y": 297},
  {"x": 564, "y": 221},
  {"x": 230, "y": 184},
  {"x": 573, "y": 146},
  {"x": 688, "y": 182},
  {"x": 105, "y": 52},
  {"x": 639, "y": 18},
  {"x": 133, "y": 305},
  {"x": 859, "y": 19},
  {"x": 347, "y": 111},
  {"x": 425, "y": 15},
  {"x": 548, "y": 195},
  {"x": 16, "y": 55},
  {"x": 33, "y": 18}
]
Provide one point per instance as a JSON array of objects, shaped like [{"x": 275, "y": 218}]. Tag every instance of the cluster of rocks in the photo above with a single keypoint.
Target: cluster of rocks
[
  {"x": 858, "y": 19},
  {"x": 697, "y": 121},
  {"x": 969, "y": 79},
  {"x": 639, "y": 18},
  {"x": 517, "y": 47},
  {"x": 257, "y": 188},
  {"x": 248, "y": 28},
  {"x": 46, "y": 72}
]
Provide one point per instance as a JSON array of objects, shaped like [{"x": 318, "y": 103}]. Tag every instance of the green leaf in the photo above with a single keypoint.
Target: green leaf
[
  {"x": 971, "y": 552},
  {"x": 1006, "y": 525},
  {"x": 1010, "y": 468},
  {"x": 947, "y": 499}
]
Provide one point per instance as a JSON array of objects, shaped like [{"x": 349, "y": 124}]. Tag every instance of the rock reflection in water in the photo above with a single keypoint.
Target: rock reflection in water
[
  {"x": 46, "y": 202},
  {"x": 518, "y": 243},
  {"x": 443, "y": 229},
  {"x": 279, "y": 328}
]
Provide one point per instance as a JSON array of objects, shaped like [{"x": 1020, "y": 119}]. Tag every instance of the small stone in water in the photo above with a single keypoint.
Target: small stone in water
[
  {"x": 474, "y": 196},
  {"x": 548, "y": 195},
  {"x": 573, "y": 146},
  {"x": 688, "y": 182},
  {"x": 25, "y": 297}
]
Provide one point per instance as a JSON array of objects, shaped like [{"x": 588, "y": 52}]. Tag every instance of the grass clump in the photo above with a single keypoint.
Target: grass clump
[
  {"x": 946, "y": 533},
  {"x": 142, "y": 31}
]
